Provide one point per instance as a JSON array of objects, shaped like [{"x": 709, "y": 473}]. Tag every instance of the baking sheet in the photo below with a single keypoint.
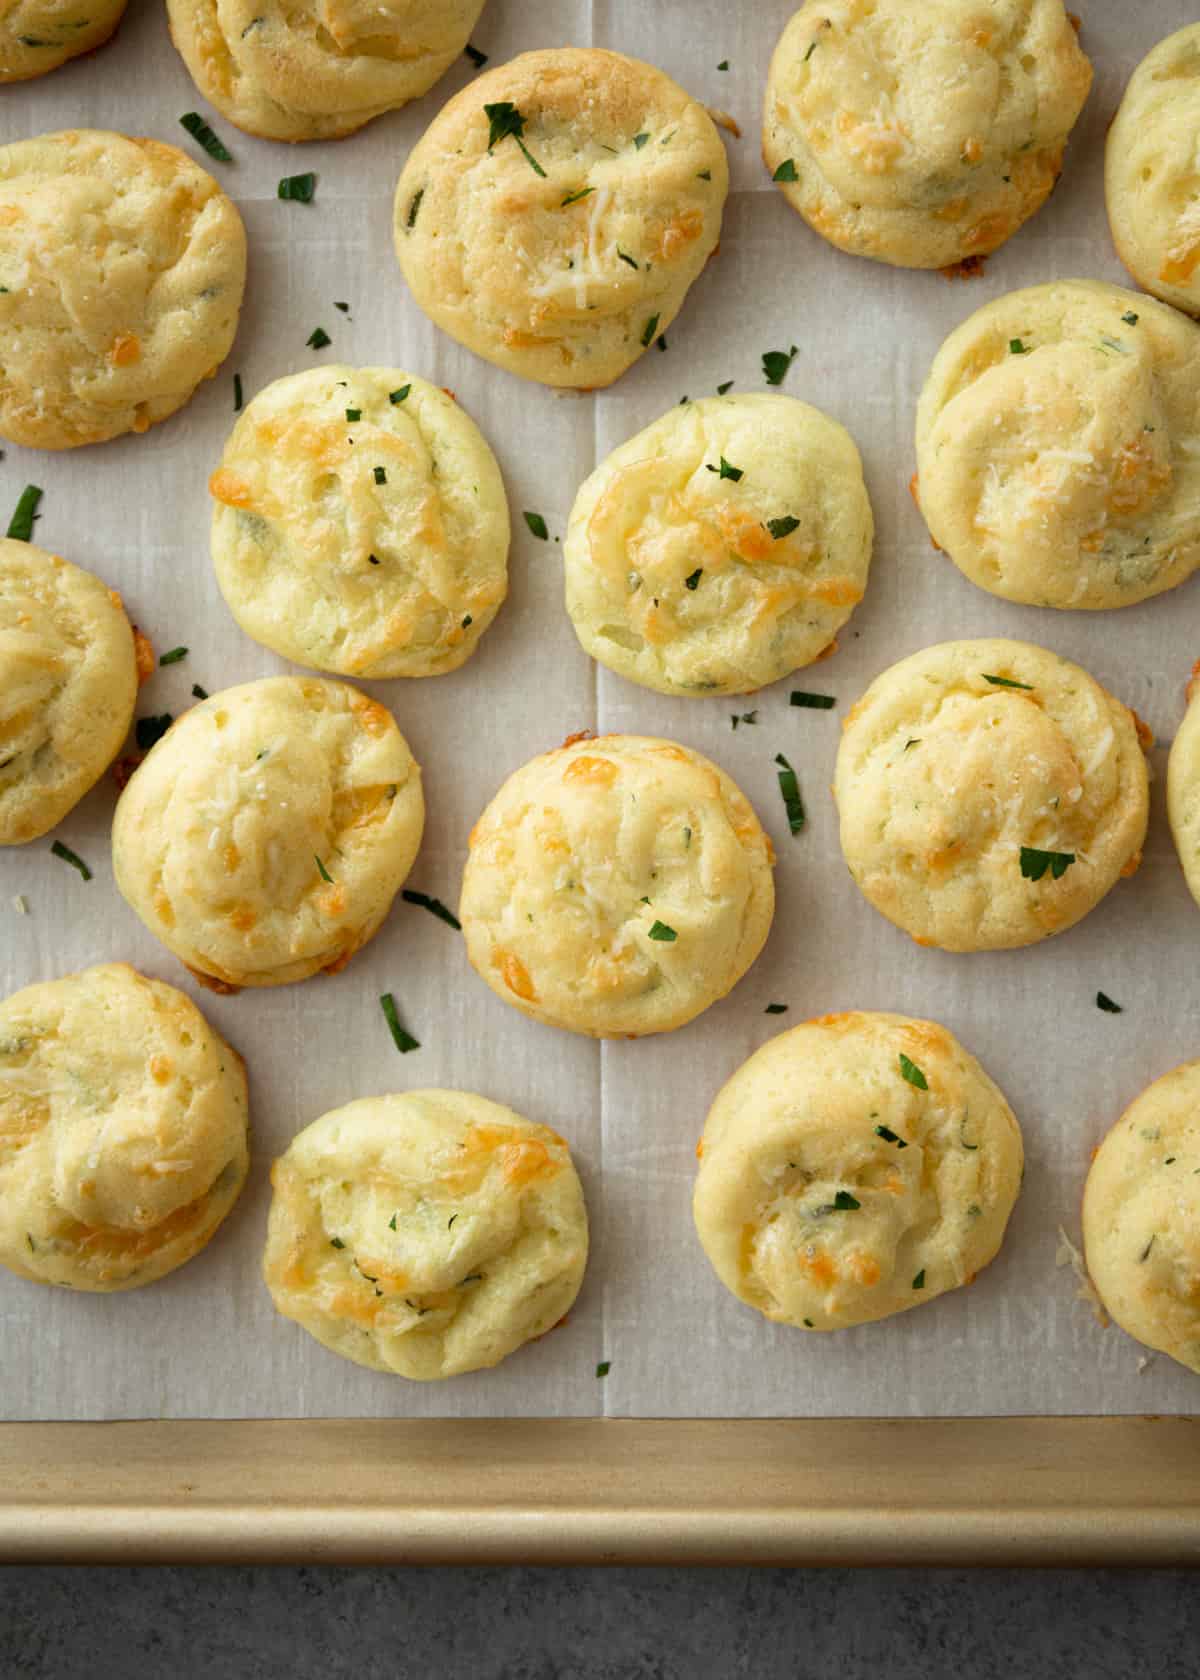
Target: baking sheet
[{"x": 206, "y": 1341}]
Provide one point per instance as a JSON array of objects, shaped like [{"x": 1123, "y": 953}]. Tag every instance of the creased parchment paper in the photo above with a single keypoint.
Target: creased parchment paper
[{"x": 206, "y": 1342}]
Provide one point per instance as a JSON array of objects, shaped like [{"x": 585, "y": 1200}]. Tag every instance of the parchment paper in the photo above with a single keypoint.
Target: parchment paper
[{"x": 206, "y": 1342}]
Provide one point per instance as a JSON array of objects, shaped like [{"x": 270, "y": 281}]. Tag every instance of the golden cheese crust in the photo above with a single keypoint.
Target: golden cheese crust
[
  {"x": 920, "y": 135},
  {"x": 990, "y": 794},
  {"x": 1151, "y": 172},
  {"x": 563, "y": 269},
  {"x": 1058, "y": 446},
  {"x": 1183, "y": 790},
  {"x": 39, "y": 35},
  {"x": 854, "y": 1167},
  {"x": 319, "y": 69},
  {"x": 122, "y": 265},
  {"x": 616, "y": 886},
  {"x": 693, "y": 583},
  {"x": 123, "y": 1130},
  {"x": 425, "y": 1234},
  {"x": 372, "y": 546},
  {"x": 266, "y": 834},
  {"x": 1141, "y": 1217},
  {"x": 68, "y": 682}
]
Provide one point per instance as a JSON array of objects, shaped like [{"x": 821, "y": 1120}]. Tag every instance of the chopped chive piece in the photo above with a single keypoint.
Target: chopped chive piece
[
  {"x": 203, "y": 135},
  {"x": 704, "y": 175},
  {"x": 693, "y": 579},
  {"x": 411, "y": 219},
  {"x": 725, "y": 470},
  {"x": 1145, "y": 1254},
  {"x": 789, "y": 787},
  {"x": 724, "y": 64},
  {"x": 1103, "y": 1001},
  {"x": 148, "y": 730},
  {"x": 775, "y": 364},
  {"x": 844, "y": 1202},
  {"x": 198, "y": 692},
  {"x": 1034, "y": 863},
  {"x": 604, "y": 1367},
  {"x": 20, "y": 526},
  {"x": 1005, "y": 682},
  {"x": 662, "y": 932},
  {"x": 344, "y": 307},
  {"x": 910, "y": 1071},
  {"x": 640, "y": 140},
  {"x": 237, "y": 393},
  {"x": 336, "y": 1242},
  {"x": 1130, "y": 318},
  {"x": 73, "y": 858},
  {"x": 649, "y": 330},
  {"x": 380, "y": 476},
  {"x": 504, "y": 119},
  {"x": 889, "y": 1136},
  {"x": 626, "y": 258},
  {"x": 404, "y": 1041},
  {"x": 744, "y": 717},
  {"x": 786, "y": 170},
  {"x": 919, "y": 1281},
  {"x": 574, "y": 197},
  {"x": 776, "y": 1009},
  {"x": 318, "y": 339},
  {"x": 374, "y": 560},
  {"x": 662, "y": 341},
  {"x": 433, "y": 904},
  {"x": 467, "y": 620},
  {"x": 816, "y": 702},
  {"x": 395, "y": 397},
  {"x": 780, "y": 528},
  {"x": 812, "y": 47},
  {"x": 727, "y": 386},
  {"x": 353, "y": 414},
  {"x": 478, "y": 59},
  {"x": 392, "y": 1223},
  {"x": 299, "y": 187},
  {"x": 325, "y": 875},
  {"x": 1017, "y": 348},
  {"x": 174, "y": 656},
  {"x": 537, "y": 525}
]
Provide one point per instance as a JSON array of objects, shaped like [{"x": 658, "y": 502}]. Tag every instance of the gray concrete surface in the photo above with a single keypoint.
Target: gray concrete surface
[{"x": 525, "y": 1624}]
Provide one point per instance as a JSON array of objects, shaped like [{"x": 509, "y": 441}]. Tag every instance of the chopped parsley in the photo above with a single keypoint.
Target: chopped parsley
[
  {"x": 148, "y": 730},
  {"x": 392, "y": 1223},
  {"x": 604, "y": 1367},
  {"x": 537, "y": 525},
  {"x": 73, "y": 858},
  {"x": 336, "y": 1242},
  {"x": 789, "y": 787},
  {"x": 395, "y": 397},
  {"x": 889, "y": 1136},
  {"x": 325, "y": 875},
  {"x": 1130, "y": 318},
  {"x": 775, "y": 364},
  {"x": 237, "y": 393},
  {"x": 910, "y": 1071},
  {"x": 478, "y": 59},
  {"x": 815, "y": 702},
  {"x": 1017, "y": 348},
  {"x": 1035, "y": 863},
  {"x": 626, "y": 258},
  {"x": 693, "y": 578},
  {"x": 649, "y": 330},
  {"x": 725, "y": 470},
  {"x": 198, "y": 692},
  {"x": 1103, "y": 1001},
  {"x": 724, "y": 64},
  {"x": 404, "y": 1041},
  {"x": 919, "y": 1281},
  {"x": 786, "y": 171},
  {"x": 174, "y": 656},
  {"x": 662, "y": 932},
  {"x": 353, "y": 414},
  {"x": 844, "y": 1202},
  {"x": 433, "y": 904},
  {"x": 504, "y": 120},
  {"x": 380, "y": 476},
  {"x": 780, "y": 528},
  {"x": 640, "y": 140},
  {"x": 410, "y": 220},
  {"x": 204, "y": 136},
  {"x": 20, "y": 526},
  {"x": 574, "y": 197},
  {"x": 727, "y": 386},
  {"x": 776, "y": 1009},
  {"x": 318, "y": 339},
  {"x": 299, "y": 187},
  {"x": 1005, "y": 682}
]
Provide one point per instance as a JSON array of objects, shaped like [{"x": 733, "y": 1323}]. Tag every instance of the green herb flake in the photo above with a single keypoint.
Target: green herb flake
[
  {"x": 1034, "y": 863},
  {"x": 478, "y": 59},
  {"x": 844, "y": 1202},
  {"x": 704, "y": 175},
  {"x": 889, "y": 1136},
  {"x": 336, "y": 1242},
  {"x": 434, "y": 905},
  {"x": 789, "y": 787},
  {"x": 503, "y": 120},
  {"x": 640, "y": 140},
  {"x": 812, "y": 47},
  {"x": 174, "y": 656},
  {"x": 910, "y": 1071},
  {"x": 1005, "y": 682},
  {"x": 404, "y": 1041},
  {"x": 787, "y": 169},
  {"x": 395, "y": 397},
  {"x": 693, "y": 578},
  {"x": 727, "y": 386},
  {"x": 724, "y": 64},
  {"x": 808, "y": 1324},
  {"x": 662, "y": 341},
  {"x": 148, "y": 730},
  {"x": 537, "y": 525},
  {"x": 780, "y": 528},
  {"x": 20, "y": 526},
  {"x": 380, "y": 476},
  {"x": 919, "y": 1281},
  {"x": 410, "y": 221},
  {"x": 1145, "y": 1254},
  {"x": 237, "y": 393},
  {"x": 1130, "y": 318},
  {"x": 725, "y": 470},
  {"x": 1017, "y": 348},
  {"x": 344, "y": 307},
  {"x": 814, "y": 702},
  {"x": 1103, "y": 1001},
  {"x": 374, "y": 560},
  {"x": 604, "y": 1367},
  {"x": 574, "y": 197},
  {"x": 73, "y": 858},
  {"x": 775, "y": 364},
  {"x": 467, "y": 621},
  {"x": 392, "y": 1223},
  {"x": 325, "y": 875},
  {"x": 318, "y": 339},
  {"x": 353, "y": 414},
  {"x": 203, "y": 135},
  {"x": 198, "y": 692},
  {"x": 743, "y": 717},
  {"x": 649, "y": 330},
  {"x": 298, "y": 187},
  {"x": 626, "y": 258},
  {"x": 666, "y": 935},
  {"x": 776, "y": 1009}
]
